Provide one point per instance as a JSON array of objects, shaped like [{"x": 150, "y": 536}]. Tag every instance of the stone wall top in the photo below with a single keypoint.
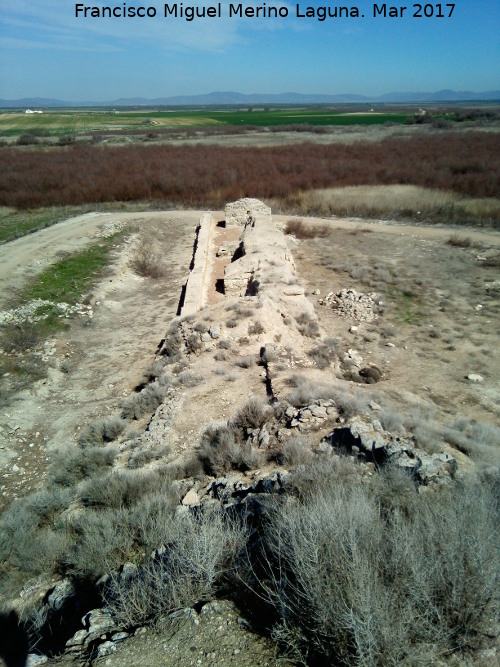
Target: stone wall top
[{"x": 238, "y": 212}]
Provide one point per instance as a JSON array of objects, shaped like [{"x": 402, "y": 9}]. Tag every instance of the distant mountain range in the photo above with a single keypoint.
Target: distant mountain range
[{"x": 233, "y": 98}]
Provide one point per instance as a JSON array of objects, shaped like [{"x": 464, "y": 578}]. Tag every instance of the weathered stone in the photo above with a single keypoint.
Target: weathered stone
[
  {"x": 106, "y": 648},
  {"x": 98, "y": 621},
  {"x": 206, "y": 338},
  {"x": 264, "y": 438},
  {"x": 78, "y": 639},
  {"x": 475, "y": 377},
  {"x": 191, "y": 498},
  {"x": 214, "y": 331},
  {"x": 33, "y": 660},
  {"x": 238, "y": 213},
  {"x": 59, "y": 596},
  {"x": 318, "y": 411}
]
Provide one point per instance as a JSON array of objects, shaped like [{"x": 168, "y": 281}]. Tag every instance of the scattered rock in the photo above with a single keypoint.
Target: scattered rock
[
  {"x": 214, "y": 331},
  {"x": 356, "y": 305},
  {"x": 475, "y": 377}
]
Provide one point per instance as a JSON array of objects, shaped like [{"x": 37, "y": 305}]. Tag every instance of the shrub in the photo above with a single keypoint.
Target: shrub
[
  {"x": 222, "y": 449},
  {"x": 189, "y": 379},
  {"x": 194, "y": 344},
  {"x": 171, "y": 345},
  {"x": 199, "y": 550},
  {"x": 323, "y": 354},
  {"x": 118, "y": 489},
  {"x": 72, "y": 466},
  {"x": 148, "y": 263},
  {"x": 100, "y": 431},
  {"x": 459, "y": 241},
  {"x": 27, "y": 140},
  {"x": 246, "y": 362},
  {"x": 254, "y": 414},
  {"x": 20, "y": 336},
  {"x": 297, "y": 451},
  {"x": 302, "y": 230},
  {"x": 391, "y": 420},
  {"x": 307, "y": 325},
  {"x": 255, "y": 329},
  {"x": 353, "y": 583},
  {"x": 147, "y": 400},
  {"x": 86, "y": 173},
  {"x": 29, "y": 539},
  {"x": 101, "y": 542}
]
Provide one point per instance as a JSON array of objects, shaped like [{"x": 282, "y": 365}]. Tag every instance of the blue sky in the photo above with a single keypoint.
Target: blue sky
[{"x": 45, "y": 51}]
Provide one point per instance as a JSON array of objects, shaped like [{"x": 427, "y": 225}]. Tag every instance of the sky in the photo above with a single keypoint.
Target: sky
[{"x": 46, "y": 51}]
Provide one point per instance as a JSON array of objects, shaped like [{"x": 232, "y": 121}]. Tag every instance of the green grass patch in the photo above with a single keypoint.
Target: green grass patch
[
  {"x": 14, "y": 224},
  {"x": 61, "y": 123},
  {"x": 70, "y": 277},
  {"x": 408, "y": 307}
]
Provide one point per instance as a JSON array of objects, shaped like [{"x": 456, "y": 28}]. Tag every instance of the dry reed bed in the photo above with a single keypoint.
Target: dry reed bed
[{"x": 210, "y": 176}]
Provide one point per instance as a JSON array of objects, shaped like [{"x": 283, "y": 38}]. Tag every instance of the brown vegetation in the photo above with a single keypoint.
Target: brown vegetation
[{"x": 210, "y": 175}]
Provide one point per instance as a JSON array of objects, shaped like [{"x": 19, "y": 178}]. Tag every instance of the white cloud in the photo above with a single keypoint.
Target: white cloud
[{"x": 53, "y": 24}]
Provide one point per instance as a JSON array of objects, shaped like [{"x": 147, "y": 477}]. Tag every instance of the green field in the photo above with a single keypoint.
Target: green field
[{"x": 67, "y": 122}]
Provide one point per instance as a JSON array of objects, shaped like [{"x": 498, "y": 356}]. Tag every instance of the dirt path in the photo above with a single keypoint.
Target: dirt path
[
  {"x": 25, "y": 257},
  {"x": 98, "y": 361}
]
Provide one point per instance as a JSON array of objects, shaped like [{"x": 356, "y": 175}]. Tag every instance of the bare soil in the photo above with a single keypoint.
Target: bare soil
[{"x": 440, "y": 323}]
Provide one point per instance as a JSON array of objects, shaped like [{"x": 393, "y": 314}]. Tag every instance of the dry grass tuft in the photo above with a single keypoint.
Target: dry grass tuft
[
  {"x": 302, "y": 230},
  {"x": 148, "y": 263}
]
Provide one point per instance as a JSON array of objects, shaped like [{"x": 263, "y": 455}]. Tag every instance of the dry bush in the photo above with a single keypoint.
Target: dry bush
[
  {"x": 171, "y": 346},
  {"x": 74, "y": 465},
  {"x": 194, "y": 344},
  {"x": 479, "y": 440},
  {"x": 352, "y": 582},
  {"x": 391, "y": 420},
  {"x": 147, "y": 262},
  {"x": 305, "y": 392},
  {"x": 392, "y": 201},
  {"x": 255, "y": 329},
  {"x": 147, "y": 400},
  {"x": 199, "y": 550},
  {"x": 21, "y": 336},
  {"x": 122, "y": 489},
  {"x": 302, "y": 230},
  {"x": 254, "y": 414},
  {"x": 307, "y": 325},
  {"x": 324, "y": 353},
  {"x": 246, "y": 361},
  {"x": 222, "y": 448},
  {"x": 31, "y": 534},
  {"x": 297, "y": 451},
  {"x": 493, "y": 261},
  {"x": 459, "y": 241},
  {"x": 101, "y": 542},
  {"x": 100, "y": 431},
  {"x": 211, "y": 176},
  {"x": 144, "y": 456}
]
